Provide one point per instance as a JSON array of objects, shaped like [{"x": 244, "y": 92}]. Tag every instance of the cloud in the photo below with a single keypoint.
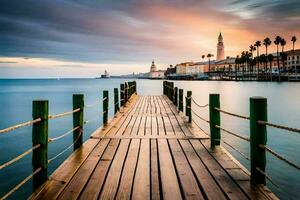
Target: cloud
[{"x": 137, "y": 31}]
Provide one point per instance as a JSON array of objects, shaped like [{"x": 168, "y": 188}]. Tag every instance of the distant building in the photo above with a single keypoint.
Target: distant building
[
  {"x": 105, "y": 75},
  {"x": 293, "y": 60},
  {"x": 191, "y": 68},
  {"x": 156, "y": 74},
  {"x": 220, "y": 48}
]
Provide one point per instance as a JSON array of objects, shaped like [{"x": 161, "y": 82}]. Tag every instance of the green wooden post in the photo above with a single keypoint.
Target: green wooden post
[
  {"x": 180, "y": 108},
  {"x": 258, "y": 136},
  {"x": 105, "y": 106},
  {"x": 168, "y": 89},
  {"x": 122, "y": 94},
  {"x": 164, "y": 87},
  {"x": 78, "y": 102},
  {"x": 116, "y": 98},
  {"x": 189, "y": 105},
  {"x": 176, "y": 96},
  {"x": 172, "y": 91},
  {"x": 40, "y": 109},
  {"x": 215, "y": 119},
  {"x": 126, "y": 93}
]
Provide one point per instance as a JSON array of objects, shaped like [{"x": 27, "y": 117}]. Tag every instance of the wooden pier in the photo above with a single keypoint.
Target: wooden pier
[{"x": 149, "y": 151}]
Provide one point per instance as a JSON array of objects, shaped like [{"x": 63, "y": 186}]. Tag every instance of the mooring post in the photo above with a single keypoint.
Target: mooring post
[
  {"x": 40, "y": 109},
  {"x": 189, "y": 105},
  {"x": 126, "y": 93},
  {"x": 122, "y": 94},
  {"x": 172, "y": 92},
  {"x": 175, "y": 96},
  {"x": 180, "y": 107},
  {"x": 258, "y": 136},
  {"x": 116, "y": 100},
  {"x": 105, "y": 107},
  {"x": 164, "y": 87},
  {"x": 215, "y": 120},
  {"x": 78, "y": 103}
]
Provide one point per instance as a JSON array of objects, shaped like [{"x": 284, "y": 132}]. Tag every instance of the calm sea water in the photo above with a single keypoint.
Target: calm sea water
[{"x": 16, "y": 103}]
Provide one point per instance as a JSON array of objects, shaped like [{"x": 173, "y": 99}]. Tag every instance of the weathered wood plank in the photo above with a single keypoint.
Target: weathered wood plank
[
  {"x": 155, "y": 177},
  {"x": 112, "y": 180},
  {"x": 95, "y": 183},
  {"x": 188, "y": 182},
  {"x": 126, "y": 182},
  {"x": 83, "y": 174},
  {"x": 141, "y": 184},
  {"x": 169, "y": 181}
]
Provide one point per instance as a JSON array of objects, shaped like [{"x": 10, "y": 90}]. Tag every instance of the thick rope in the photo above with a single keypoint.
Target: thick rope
[
  {"x": 200, "y": 116},
  {"x": 21, "y": 184},
  {"x": 279, "y": 156},
  {"x": 104, "y": 99},
  {"x": 92, "y": 105},
  {"x": 53, "y": 158},
  {"x": 19, "y": 157},
  {"x": 232, "y": 114},
  {"x": 20, "y": 125},
  {"x": 279, "y": 126},
  {"x": 63, "y": 135},
  {"x": 241, "y": 153},
  {"x": 267, "y": 176},
  {"x": 63, "y": 114},
  {"x": 234, "y": 134},
  {"x": 200, "y": 106}
]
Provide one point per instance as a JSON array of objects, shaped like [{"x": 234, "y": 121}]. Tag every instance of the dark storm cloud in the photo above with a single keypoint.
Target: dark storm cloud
[{"x": 123, "y": 30}]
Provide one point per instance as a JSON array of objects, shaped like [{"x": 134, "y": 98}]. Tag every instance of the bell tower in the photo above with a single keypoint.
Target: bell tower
[{"x": 220, "y": 48}]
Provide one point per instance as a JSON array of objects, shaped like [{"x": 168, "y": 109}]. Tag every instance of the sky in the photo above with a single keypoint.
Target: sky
[{"x": 82, "y": 38}]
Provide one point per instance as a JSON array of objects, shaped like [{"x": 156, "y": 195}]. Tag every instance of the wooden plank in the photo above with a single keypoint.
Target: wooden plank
[
  {"x": 188, "y": 182},
  {"x": 65, "y": 172},
  {"x": 82, "y": 175},
  {"x": 207, "y": 182},
  {"x": 141, "y": 185},
  {"x": 155, "y": 185},
  {"x": 169, "y": 181},
  {"x": 126, "y": 182},
  {"x": 157, "y": 107},
  {"x": 148, "y": 130},
  {"x": 154, "y": 128},
  {"x": 161, "y": 128},
  {"x": 112, "y": 180},
  {"x": 96, "y": 181},
  {"x": 226, "y": 183}
]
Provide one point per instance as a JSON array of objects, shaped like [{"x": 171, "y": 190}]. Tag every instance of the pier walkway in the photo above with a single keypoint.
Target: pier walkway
[{"x": 148, "y": 151}]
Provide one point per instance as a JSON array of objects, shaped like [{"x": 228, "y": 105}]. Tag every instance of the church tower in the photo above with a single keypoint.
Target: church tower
[
  {"x": 220, "y": 48},
  {"x": 153, "y": 67}
]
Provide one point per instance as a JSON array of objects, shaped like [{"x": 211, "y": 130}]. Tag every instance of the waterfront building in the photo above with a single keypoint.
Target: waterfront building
[
  {"x": 293, "y": 60},
  {"x": 191, "y": 68},
  {"x": 155, "y": 73},
  {"x": 220, "y": 48}
]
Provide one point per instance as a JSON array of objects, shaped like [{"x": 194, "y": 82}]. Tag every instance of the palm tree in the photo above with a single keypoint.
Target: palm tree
[
  {"x": 237, "y": 61},
  {"x": 277, "y": 42},
  {"x": 252, "y": 49},
  {"x": 267, "y": 42},
  {"x": 257, "y": 45},
  {"x": 209, "y": 56},
  {"x": 282, "y": 43},
  {"x": 294, "y": 39},
  {"x": 203, "y": 56}
]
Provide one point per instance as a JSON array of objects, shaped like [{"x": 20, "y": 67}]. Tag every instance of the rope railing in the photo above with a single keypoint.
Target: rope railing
[
  {"x": 62, "y": 152},
  {"x": 104, "y": 98},
  {"x": 279, "y": 126},
  {"x": 92, "y": 105},
  {"x": 63, "y": 135},
  {"x": 279, "y": 156},
  {"x": 205, "y": 120},
  {"x": 19, "y": 157},
  {"x": 232, "y": 114},
  {"x": 14, "y": 127},
  {"x": 267, "y": 176},
  {"x": 241, "y": 153},
  {"x": 21, "y": 184},
  {"x": 197, "y": 104},
  {"x": 234, "y": 134},
  {"x": 63, "y": 114}
]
